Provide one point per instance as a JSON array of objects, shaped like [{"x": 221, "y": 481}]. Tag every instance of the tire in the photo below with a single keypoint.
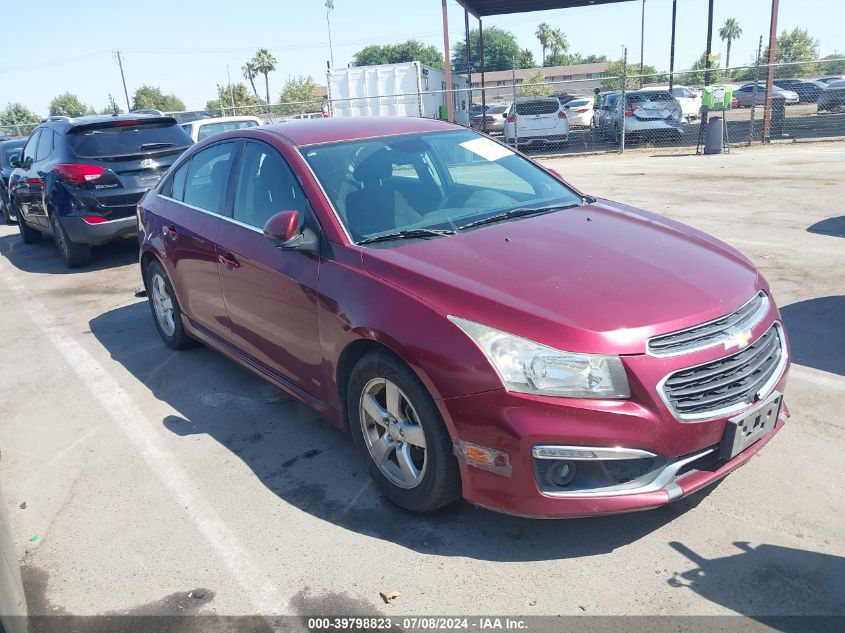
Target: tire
[
  {"x": 159, "y": 293},
  {"x": 431, "y": 478},
  {"x": 28, "y": 234},
  {"x": 7, "y": 212},
  {"x": 73, "y": 254}
]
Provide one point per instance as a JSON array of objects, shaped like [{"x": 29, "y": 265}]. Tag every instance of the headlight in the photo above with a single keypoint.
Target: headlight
[{"x": 528, "y": 367}]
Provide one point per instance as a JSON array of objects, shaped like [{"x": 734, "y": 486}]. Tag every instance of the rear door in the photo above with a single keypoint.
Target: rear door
[
  {"x": 132, "y": 154},
  {"x": 537, "y": 115},
  {"x": 270, "y": 295},
  {"x": 196, "y": 196}
]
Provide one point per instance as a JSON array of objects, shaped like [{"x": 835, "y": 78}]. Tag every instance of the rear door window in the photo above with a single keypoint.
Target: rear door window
[
  {"x": 538, "y": 106},
  {"x": 126, "y": 138},
  {"x": 208, "y": 177},
  {"x": 176, "y": 188}
]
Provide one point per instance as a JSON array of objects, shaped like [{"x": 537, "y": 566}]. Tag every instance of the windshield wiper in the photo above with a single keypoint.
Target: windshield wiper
[
  {"x": 515, "y": 213},
  {"x": 406, "y": 235},
  {"x": 156, "y": 145}
]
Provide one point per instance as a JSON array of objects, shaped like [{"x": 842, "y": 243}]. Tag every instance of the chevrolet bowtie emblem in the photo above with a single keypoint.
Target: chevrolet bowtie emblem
[{"x": 738, "y": 340}]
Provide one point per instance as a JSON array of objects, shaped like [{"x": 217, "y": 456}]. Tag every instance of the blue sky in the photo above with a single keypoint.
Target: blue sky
[{"x": 185, "y": 49}]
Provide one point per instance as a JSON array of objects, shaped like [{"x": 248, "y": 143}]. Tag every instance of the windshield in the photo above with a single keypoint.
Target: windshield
[
  {"x": 439, "y": 180},
  {"x": 643, "y": 97},
  {"x": 10, "y": 150},
  {"x": 120, "y": 139}
]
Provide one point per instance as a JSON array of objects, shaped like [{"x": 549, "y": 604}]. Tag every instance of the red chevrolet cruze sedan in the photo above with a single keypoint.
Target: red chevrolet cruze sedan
[{"x": 480, "y": 327}]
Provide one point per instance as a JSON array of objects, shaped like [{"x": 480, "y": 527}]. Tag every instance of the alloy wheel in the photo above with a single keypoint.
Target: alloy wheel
[
  {"x": 393, "y": 433},
  {"x": 163, "y": 305}
]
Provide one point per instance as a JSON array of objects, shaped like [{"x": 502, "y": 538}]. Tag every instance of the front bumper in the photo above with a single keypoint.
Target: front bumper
[{"x": 79, "y": 231}]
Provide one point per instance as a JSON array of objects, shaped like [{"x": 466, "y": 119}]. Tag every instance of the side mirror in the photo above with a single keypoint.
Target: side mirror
[
  {"x": 15, "y": 160},
  {"x": 284, "y": 231}
]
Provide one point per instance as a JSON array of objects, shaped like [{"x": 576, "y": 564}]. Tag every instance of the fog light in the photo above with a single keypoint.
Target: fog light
[{"x": 561, "y": 474}]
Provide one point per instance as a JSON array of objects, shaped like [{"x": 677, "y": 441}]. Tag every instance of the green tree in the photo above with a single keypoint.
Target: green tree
[
  {"x": 613, "y": 76},
  {"x": 535, "y": 85},
  {"x": 17, "y": 118},
  {"x": 250, "y": 73},
  {"x": 264, "y": 63},
  {"x": 798, "y": 49},
  {"x": 244, "y": 102},
  {"x": 500, "y": 51},
  {"x": 68, "y": 104},
  {"x": 410, "y": 51},
  {"x": 696, "y": 74},
  {"x": 299, "y": 94},
  {"x": 832, "y": 65},
  {"x": 728, "y": 33},
  {"x": 544, "y": 34},
  {"x": 152, "y": 97}
]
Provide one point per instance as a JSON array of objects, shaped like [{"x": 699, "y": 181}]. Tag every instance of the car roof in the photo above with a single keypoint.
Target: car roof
[
  {"x": 64, "y": 123},
  {"x": 331, "y": 130},
  {"x": 13, "y": 141}
]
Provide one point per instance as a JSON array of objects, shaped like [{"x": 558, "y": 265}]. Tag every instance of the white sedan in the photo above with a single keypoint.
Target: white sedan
[
  {"x": 203, "y": 128},
  {"x": 579, "y": 112}
]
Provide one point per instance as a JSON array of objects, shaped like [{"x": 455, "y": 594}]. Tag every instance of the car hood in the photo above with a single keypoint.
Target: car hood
[{"x": 599, "y": 278}]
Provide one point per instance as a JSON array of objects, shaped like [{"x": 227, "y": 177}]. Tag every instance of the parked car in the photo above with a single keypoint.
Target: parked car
[
  {"x": 417, "y": 283},
  {"x": 203, "y": 128},
  {"x": 536, "y": 120},
  {"x": 602, "y": 113},
  {"x": 745, "y": 95},
  {"x": 579, "y": 112},
  {"x": 689, "y": 99},
  {"x": 565, "y": 97},
  {"x": 807, "y": 91},
  {"x": 493, "y": 119},
  {"x": 13, "y": 609},
  {"x": 310, "y": 115},
  {"x": 79, "y": 179},
  {"x": 832, "y": 98},
  {"x": 647, "y": 113},
  {"x": 827, "y": 80},
  {"x": 8, "y": 150}
]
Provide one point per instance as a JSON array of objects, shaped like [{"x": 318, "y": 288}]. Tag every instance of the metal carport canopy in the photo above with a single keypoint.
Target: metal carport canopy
[{"x": 481, "y": 8}]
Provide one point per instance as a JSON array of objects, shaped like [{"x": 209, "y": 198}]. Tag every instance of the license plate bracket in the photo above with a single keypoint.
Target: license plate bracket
[{"x": 742, "y": 431}]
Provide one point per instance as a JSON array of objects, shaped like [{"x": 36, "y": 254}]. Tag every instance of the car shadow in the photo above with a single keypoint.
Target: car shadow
[
  {"x": 772, "y": 584},
  {"x": 816, "y": 332},
  {"x": 834, "y": 227},
  {"x": 309, "y": 463},
  {"x": 43, "y": 257}
]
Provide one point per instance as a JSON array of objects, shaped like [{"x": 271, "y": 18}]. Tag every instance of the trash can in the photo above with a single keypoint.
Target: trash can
[
  {"x": 714, "y": 141},
  {"x": 778, "y": 116}
]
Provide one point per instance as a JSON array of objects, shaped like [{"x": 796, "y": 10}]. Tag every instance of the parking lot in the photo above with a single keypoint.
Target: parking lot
[{"x": 141, "y": 480}]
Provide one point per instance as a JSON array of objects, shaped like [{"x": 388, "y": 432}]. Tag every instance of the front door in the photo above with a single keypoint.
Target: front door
[{"x": 270, "y": 295}]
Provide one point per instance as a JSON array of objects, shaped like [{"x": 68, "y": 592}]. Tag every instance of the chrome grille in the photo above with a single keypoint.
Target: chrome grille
[
  {"x": 712, "y": 333},
  {"x": 729, "y": 384}
]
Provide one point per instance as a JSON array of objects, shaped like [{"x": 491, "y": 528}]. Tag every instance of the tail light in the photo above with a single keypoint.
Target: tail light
[
  {"x": 78, "y": 174},
  {"x": 511, "y": 118},
  {"x": 561, "y": 114},
  {"x": 630, "y": 111}
]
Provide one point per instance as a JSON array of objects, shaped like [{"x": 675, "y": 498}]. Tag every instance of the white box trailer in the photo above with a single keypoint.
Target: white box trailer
[{"x": 407, "y": 89}]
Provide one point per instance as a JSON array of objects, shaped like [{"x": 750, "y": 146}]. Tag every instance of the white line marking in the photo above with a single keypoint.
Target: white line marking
[
  {"x": 754, "y": 242},
  {"x": 116, "y": 402}
]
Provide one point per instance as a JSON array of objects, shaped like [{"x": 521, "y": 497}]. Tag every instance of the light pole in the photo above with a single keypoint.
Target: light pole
[
  {"x": 642, "y": 43},
  {"x": 329, "y": 7}
]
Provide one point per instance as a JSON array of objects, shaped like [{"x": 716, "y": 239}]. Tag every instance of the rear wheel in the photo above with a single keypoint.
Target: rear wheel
[
  {"x": 401, "y": 435},
  {"x": 28, "y": 234},
  {"x": 73, "y": 254},
  {"x": 7, "y": 212},
  {"x": 165, "y": 308}
]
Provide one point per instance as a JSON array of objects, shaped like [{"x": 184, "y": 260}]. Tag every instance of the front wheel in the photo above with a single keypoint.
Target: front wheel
[{"x": 401, "y": 435}]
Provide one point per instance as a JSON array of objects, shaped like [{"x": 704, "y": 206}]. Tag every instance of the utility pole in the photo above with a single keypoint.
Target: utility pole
[
  {"x": 709, "y": 46},
  {"x": 672, "y": 48},
  {"x": 642, "y": 43},
  {"x": 447, "y": 66},
  {"x": 770, "y": 77},
  {"x": 123, "y": 79},
  {"x": 329, "y": 8},
  {"x": 622, "y": 97}
]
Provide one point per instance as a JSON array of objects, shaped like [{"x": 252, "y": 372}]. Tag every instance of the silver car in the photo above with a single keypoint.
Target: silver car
[
  {"x": 647, "y": 113},
  {"x": 745, "y": 96}
]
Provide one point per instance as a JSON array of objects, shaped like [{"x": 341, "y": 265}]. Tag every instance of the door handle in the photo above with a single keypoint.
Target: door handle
[
  {"x": 170, "y": 231},
  {"x": 229, "y": 261}
]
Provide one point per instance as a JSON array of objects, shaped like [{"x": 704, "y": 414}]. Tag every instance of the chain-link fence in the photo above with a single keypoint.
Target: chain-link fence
[{"x": 16, "y": 130}]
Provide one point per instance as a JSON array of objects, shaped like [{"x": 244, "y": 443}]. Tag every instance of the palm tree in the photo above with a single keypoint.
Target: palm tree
[
  {"x": 730, "y": 31},
  {"x": 558, "y": 42},
  {"x": 544, "y": 34},
  {"x": 264, "y": 64},
  {"x": 249, "y": 72}
]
